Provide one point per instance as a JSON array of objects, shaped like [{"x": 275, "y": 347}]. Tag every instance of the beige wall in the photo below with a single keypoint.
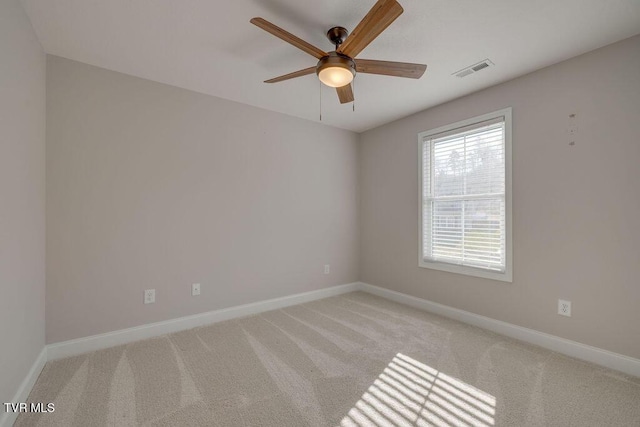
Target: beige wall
[
  {"x": 22, "y": 198},
  {"x": 575, "y": 208},
  {"x": 151, "y": 186}
]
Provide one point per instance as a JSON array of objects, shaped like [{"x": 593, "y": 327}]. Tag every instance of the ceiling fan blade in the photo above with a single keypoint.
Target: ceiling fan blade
[
  {"x": 345, "y": 94},
  {"x": 299, "y": 73},
  {"x": 381, "y": 15},
  {"x": 288, "y": 37},
  {"x": 390, "y": 68}
]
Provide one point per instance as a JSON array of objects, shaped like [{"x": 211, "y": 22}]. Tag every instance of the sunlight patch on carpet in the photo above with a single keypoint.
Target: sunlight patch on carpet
[{"x": 410, "y": 393}]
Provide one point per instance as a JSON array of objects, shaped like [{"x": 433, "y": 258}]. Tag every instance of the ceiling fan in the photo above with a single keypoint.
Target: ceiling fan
[{"x": 339, "y": 67}]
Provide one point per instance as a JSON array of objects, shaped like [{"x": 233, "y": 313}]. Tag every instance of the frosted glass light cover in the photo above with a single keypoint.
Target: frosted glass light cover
[{"x": 335, "y": 76}]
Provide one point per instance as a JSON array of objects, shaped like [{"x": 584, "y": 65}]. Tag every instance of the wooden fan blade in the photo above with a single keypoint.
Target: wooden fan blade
[
  {"x": 288, "y": 37},
  {"x": 293, "y": 75},
  {"x": 381, "y": 15},
  {"x": 390, "y": 68},
  {"x": 345, "y": 94}
]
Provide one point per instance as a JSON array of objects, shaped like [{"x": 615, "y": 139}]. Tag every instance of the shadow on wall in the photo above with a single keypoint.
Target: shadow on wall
[{"x": 410, "y": 393}]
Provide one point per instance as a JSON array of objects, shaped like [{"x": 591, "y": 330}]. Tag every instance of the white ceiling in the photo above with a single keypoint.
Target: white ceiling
[{"x": 210, "y": 46}]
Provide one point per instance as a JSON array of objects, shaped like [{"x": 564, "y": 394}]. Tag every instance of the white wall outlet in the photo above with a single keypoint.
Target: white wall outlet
[
  {"x": 149, "y": 296},
  {"x": 564, "y": 308},
  {"x": 195, "y": 289},
  {"x": 327, "y": 269}
]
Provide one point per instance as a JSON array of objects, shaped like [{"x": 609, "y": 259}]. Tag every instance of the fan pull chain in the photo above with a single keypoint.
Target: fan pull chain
[
  {"x": 353, "y": 105},
  {"x": 320, "y": 83}
]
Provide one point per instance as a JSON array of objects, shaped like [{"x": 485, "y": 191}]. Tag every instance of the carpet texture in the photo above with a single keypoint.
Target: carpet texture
[{"x": 352, "y": 360}]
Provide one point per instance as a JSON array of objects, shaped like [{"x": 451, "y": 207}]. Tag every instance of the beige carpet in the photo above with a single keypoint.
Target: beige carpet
[{"x": 353, "y": 360}]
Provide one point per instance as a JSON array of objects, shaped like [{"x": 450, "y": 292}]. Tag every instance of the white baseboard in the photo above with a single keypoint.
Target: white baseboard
[
  {"x": 8, "y": 418},
  {"x": 575, "y": 349},
  {"x": 124, "y": 336},
  {"x": 619, "y": 362}
]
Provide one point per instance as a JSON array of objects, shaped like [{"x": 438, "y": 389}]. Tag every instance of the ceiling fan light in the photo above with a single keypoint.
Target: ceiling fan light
[
  {"x": 336, "y": 71},
  {"x": 335, "y": 76}
]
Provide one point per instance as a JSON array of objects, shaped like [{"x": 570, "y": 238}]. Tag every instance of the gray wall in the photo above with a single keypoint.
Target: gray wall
[
  {"x": 22, "y": 197},
  {"x": 151, "y": 186},
  {"x": 575, "y": 208}
]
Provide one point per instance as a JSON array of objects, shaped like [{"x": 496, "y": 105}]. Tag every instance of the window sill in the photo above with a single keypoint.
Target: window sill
[{"x": 507, "y": 276}]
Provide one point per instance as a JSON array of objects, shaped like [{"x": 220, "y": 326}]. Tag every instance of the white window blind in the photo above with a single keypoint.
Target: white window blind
[{"x": 464, "y": 196}]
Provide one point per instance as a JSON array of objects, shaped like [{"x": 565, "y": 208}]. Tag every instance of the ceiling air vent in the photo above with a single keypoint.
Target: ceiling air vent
[{"x": 473, "y": 68}]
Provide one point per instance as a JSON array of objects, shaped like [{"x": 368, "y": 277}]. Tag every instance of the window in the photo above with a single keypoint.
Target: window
[{"x": 465, "y": 195}]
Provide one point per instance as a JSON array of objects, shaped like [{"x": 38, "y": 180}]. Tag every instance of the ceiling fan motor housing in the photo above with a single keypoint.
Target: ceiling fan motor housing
[{"x": 337, "y": 35}]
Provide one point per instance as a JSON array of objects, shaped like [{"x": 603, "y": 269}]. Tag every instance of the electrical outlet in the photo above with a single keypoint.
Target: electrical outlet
[
  {"x": 149, "y": 296},
  {"x": 564, "y": 308},
  {"x": 327, "y": 269},
  {"x": 195, "y": 289}
]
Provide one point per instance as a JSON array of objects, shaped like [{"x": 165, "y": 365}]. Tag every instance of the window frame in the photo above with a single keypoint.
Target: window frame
[{"x": 507, "y": 275}]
